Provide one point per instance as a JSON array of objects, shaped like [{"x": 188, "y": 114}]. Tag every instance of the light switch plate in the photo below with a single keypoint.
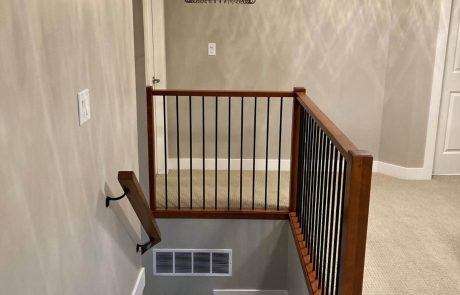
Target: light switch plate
[
  {"x": 212, "y": 49},
  {"x": 84, "y": 110}
]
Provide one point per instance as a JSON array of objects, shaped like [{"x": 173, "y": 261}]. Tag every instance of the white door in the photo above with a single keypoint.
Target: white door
[
  {"x": 155, "y": 67},
  {"x": 447, "y": 158}
]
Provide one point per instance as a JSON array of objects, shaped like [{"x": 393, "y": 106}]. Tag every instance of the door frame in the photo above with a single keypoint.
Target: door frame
[
  {"x": 436, "y": 88},
  {"x": 155, "y": 60}
]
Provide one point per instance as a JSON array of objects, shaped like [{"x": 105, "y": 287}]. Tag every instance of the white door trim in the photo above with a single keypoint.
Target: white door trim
[{"x": 436, "y": 88}]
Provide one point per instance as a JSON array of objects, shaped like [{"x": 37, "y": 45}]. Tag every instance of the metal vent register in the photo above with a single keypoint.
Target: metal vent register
[{"x": 195, "y": 262}]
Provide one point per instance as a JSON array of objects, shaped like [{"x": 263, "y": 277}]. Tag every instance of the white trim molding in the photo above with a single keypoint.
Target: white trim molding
[
  {"x": 436, "y": 88},
  {"x": 222, "y": 164},
  {"x": 285, "y": 165},
  {"x": 400, "y": 171},
  {"x": 140, "y": 283}
]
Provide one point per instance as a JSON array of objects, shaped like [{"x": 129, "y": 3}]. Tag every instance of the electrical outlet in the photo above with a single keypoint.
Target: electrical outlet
[
  {"x": 84, "y": 110},
  {"x": 211, "y": 48}
]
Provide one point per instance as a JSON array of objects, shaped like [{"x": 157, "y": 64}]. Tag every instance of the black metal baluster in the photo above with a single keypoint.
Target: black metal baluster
[
  {"x": 215, "y": 164},
  {"x": 279, "y": 154},
  {"x": 302, "y": 164},
  {"x": 266, "y": 151},
  {"x": 344, "y": 179},
  {"x": 330, "y": 275},
  {"x": 204, "y": 158},
  {"x": 316, "y": 199},
  {"x": 323, "y": 207},
  {"x": 254, "y": 151},
  {"x": 229, "y": 135},
  {"x": 309, "y": 141},
  {"x": 190, "y": 124},
  {"x": 166, "y": 151},
  {"x": 335, "y": 257},
  {"x": 327, "y": 172},
  {"x": 178, "y": 154},
  {"x": 241, "y": 154},
  {"x": 318, "y": 208},
  {"x": 310, "y": 185},
  {"x": 309, "y": 202},
  {"x": 320, "y": 205}
]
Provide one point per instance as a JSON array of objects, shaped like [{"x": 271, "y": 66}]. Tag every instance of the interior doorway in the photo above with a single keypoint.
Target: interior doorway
[
  {"x": 155, "y": 70},
  {"x": 447, "y": 156}
]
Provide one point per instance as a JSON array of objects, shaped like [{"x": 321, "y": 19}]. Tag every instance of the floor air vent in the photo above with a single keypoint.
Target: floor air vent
[{"x": 181, "y": 262}]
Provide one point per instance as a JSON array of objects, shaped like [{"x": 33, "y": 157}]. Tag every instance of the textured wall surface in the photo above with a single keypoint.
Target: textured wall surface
[
  {"x": 367, "y": 64},
  {"x": 56, "y": 235},
  {"x": 412, "y": 49},
  {"x": 259, "y": 254},
  {"x": 336, "y": 49}
]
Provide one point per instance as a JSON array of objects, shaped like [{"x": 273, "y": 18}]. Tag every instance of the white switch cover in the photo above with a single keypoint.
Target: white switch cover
[
  {"x": 84, "y": 111},
  {"x": 211, "y": 48}
]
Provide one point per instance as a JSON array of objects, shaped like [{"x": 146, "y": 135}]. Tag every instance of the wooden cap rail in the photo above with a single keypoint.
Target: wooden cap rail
[
  {"x": 339, "y": 139},
  {"x": 133, "y": 191},
  {"x": 226, "y": 93},
  {"x": 222, "y": 214}
]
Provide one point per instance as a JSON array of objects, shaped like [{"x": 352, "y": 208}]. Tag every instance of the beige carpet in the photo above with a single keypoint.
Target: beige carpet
[
  {"x": 222, "y": 189},
  {"x": 413, "y": 244}
]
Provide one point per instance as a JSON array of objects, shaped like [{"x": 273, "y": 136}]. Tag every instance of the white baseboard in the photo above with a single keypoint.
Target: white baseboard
[
  {"x": 401, "y": 172},
  {"x": 222, "y": 164},
  {"x": 285, "y": 165},
  {"x": 140, "y": 283}
]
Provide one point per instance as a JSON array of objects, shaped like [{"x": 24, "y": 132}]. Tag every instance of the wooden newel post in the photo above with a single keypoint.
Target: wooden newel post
[
  {"x": 294, "y": 150},
  {"x": 354, "y": 228},
  {"x": 151, "y": 148}
]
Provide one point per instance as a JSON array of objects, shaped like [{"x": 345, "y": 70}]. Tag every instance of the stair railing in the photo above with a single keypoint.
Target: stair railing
[{"x": 329, "y": 186}]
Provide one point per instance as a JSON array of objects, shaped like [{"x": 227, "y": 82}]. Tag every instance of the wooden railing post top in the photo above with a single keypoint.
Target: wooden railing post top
[
  {"x": 360, "y": 154},
  {"x": 300, "y": 89}
]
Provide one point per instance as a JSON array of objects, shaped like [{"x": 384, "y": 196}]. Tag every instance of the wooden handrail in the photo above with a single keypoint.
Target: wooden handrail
[
  {"x": 222, "y": 214},
  {"x": 132, "y": 188},
  {"x": 229, "y": 93},
  {"x": 339, "y": 139}
]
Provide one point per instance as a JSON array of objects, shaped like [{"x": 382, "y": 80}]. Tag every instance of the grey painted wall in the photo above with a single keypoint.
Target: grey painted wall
[
  {"x": 414, "y": 26},
  {"x": 367, "y": 64},
  {"x": 336, "y": 49},
  {"x": 259, "y": 254},
  {"x": 56, "y": 235},
  {"x": 296, "y": 284}
]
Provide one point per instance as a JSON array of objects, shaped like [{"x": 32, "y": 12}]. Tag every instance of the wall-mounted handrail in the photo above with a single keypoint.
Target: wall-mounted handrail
[{"x": 132, "y": 190}]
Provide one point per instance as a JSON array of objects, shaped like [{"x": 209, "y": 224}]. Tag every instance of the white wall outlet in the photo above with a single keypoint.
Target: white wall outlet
[
  {"x": 211, "y": 48},
  {"x": 84, "y": 110}
]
